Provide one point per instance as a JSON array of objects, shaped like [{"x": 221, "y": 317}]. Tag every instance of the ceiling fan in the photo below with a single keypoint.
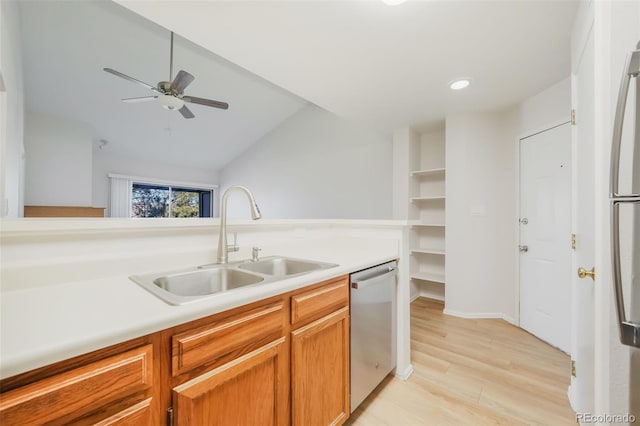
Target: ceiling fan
[{"x": 170, "y": 94}]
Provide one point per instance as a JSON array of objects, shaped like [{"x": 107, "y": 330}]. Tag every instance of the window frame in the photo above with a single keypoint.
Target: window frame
[{"x": 171, "y": 184}]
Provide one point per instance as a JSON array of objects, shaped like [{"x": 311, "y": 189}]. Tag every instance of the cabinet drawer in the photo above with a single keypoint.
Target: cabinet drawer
[
  {"x": 79, "y": 391},
  {"x": 320, "y": 301},
  {"x": 136, "y": 415},
  {"x": 228, "y": 338}
]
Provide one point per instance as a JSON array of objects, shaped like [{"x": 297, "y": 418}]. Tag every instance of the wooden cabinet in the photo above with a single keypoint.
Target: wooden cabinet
[
  {"x": 81, "y": 393},
  {"x": 320, "y": 357},
  {"x": 249, "y": 382},
  {"x": 137, "y": 415},
  {"x": 315, "y": 303},
  {"x": 250, "y": 390},
  {"x": 226, "y": 338},
  {"x": 320, "y": 371},
  {"x": 279, "y": 361}
]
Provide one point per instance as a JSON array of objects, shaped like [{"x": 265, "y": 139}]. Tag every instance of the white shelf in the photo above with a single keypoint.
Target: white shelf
[
  {"x": 440, "y": 197},
  {"x": 428, "y": 276},
  {"x": 426, "y": 180},
  {"x": 428, "y": 172},
  {"x": 429, "y": 251}
]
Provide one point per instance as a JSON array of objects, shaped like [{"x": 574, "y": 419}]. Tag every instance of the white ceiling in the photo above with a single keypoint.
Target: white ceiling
[
  {"x": 386, "y": 65},
  {"x": 66, "y": 44}
]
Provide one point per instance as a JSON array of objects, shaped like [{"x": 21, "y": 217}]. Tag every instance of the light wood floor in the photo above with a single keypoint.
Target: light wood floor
[{"x": 472, "y": 372}]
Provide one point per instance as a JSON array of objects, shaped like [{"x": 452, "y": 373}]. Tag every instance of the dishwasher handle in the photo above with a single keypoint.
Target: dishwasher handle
[{"x": 360, "y": 284}]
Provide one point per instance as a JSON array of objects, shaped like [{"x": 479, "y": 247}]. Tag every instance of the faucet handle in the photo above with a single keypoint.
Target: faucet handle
[{"x": 254, "y": 253}]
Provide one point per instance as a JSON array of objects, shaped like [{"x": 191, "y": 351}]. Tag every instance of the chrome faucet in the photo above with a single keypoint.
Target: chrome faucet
[{"x": 222, "y": 238}]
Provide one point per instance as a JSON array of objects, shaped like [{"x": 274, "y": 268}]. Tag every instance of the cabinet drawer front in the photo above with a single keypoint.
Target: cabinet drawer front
[
  {"x": 226, "y": 339},
  {"x": 319, "y": 301},
  {"x": 136, "y": 415},
  {"x": 79, "y": 391}
]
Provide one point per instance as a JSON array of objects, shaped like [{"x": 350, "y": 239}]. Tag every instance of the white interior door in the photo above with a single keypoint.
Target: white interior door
[
  {"x": 545, "y": 235},
  {"x": 581, "y": 391}
]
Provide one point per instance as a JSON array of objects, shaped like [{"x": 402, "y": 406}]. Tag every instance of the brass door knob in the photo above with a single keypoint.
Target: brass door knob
[{"x": 583, "y": 273}]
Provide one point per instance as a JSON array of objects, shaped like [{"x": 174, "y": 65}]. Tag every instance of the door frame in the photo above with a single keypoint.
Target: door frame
[{"x": 532, "y": 132}]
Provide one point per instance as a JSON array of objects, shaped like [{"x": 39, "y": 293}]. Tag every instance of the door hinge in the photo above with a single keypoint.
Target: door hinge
[
  {"x": 170, "y": 416},
  {"x": 573, "y": 117},
  {"x": 573, "y": 241},
  {"x": 573, "y": 368}
]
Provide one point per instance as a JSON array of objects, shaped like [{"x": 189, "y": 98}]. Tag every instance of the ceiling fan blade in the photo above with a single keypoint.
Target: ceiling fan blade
[
  {"x": 207, "y": 102},
  {"x": 131, "y": 79},
  {"x": 186, "y": 112},
  {"x": 182, "y": 80},
  {"x": 143, "y": 99}
]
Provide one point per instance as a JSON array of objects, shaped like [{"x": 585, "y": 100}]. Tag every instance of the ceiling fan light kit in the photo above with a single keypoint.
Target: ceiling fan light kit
[
  {"x": 170, "y": 94},
  {"x": 170, "y": 102}
]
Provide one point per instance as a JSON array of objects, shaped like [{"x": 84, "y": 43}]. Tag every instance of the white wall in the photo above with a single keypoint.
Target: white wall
[
  {"x": 11, "y": 113},
  {"x": 315, "y": 165},
  {"x": 405, "y": 160},
  {"x": 480, "y": 212},
  {"x": 104, "y": 163},
  {"x": 58, "y": 161},
  {"x": 547, "y": 107},
  {"x": 482, "y": 201}
]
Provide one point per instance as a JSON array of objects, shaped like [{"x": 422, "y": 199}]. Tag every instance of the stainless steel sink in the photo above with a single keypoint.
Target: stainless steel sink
[
  {"x": 182, "y": 287},
  {"x": 205, "y": 281},
  {"x": 189, "y": 285},
  {"x": 283, "y": 266}
]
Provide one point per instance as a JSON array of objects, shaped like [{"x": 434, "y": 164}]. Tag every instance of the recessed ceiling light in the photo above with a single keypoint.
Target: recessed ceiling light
[
  {"x": 459, "y": 84},
  {"x": 393, "y": 2}
]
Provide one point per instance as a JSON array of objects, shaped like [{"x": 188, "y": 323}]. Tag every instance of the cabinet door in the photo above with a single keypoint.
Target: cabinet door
[
  {"x": 66, "y": 397},
  {"x": 320, "y": 371},
  {"x": 250, "y": 390}
]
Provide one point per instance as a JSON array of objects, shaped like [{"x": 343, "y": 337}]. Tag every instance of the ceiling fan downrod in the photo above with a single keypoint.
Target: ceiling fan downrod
[{"x": 171, "y": 59}]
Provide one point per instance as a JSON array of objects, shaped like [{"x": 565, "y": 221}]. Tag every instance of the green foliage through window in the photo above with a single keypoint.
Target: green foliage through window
[{"x": 166, "y": 201}]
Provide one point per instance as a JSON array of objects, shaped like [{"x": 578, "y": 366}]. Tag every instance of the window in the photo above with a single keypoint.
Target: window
[
  {"x": 149, "y": 200},
  {"x": 136, "y": 196}
]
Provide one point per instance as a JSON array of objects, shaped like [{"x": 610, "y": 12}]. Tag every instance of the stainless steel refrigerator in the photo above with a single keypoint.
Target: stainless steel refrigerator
[{"x": 625, "y": 218}]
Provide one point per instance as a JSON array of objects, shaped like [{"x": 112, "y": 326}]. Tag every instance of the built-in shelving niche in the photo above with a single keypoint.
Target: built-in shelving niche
[{"x": 427, "y": 195}]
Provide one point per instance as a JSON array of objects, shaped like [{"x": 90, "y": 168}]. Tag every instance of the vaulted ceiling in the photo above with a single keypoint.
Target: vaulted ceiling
[
  {"x": 385, "y": 65},
  {"x": 66, "y": 45}
]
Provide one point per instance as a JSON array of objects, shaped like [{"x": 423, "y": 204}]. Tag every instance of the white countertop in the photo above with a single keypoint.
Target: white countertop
[{"x": 46, "y": 324}]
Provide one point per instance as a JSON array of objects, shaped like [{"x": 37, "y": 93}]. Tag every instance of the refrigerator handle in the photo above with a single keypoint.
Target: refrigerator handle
[
  {"x": 631, "y": 69},
  {"x": 629, "y": 332}
]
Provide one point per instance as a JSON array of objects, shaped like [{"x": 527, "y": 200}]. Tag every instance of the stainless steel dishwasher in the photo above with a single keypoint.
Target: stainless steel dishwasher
[{"x": 372, "y": 328}]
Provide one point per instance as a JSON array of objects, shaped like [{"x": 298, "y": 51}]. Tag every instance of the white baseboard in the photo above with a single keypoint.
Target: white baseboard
[
  {"x": 431, "y": 295},
  {"x": 480, "y": 315},
  {"x": 404, "y": 375},
  {"x": 510, "y": 320},
  {"x": 414, "y": 297},
  {"x": 571, "y": 394}
]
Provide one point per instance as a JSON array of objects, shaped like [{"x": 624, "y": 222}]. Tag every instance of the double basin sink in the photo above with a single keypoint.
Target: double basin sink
[{"x": 188, "y": 285}]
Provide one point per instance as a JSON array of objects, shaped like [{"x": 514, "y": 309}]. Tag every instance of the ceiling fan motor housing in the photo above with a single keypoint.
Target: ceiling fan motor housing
[{"x": 165, "y": 87}]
